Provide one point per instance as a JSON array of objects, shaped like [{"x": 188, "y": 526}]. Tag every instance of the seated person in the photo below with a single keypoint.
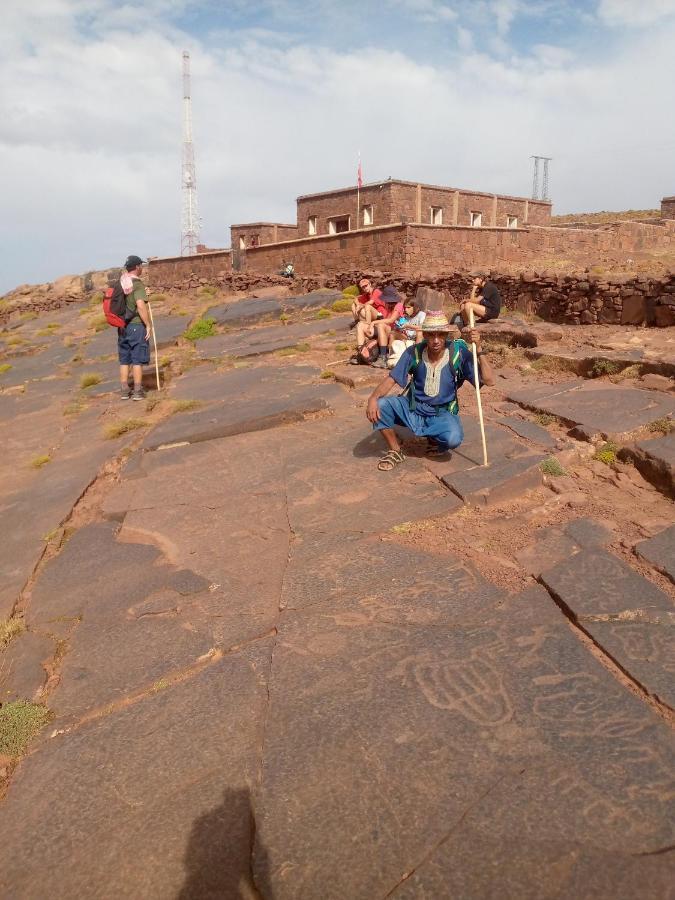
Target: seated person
[
  {"x": 394, "y": 311},
  {"x": 485, "y": 301},
  {"x": 432, "y": 372},
  {"x": 367, "y": 306},
  {"x": 288, "y": 270},
  {"x": 406, "y": 331}
]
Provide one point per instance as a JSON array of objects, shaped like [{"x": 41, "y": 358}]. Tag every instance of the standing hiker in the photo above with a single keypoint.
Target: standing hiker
[
  {"x": 133, "y": 341},
  {"x": 485, "y": 301},
  {"x": 432, "y": 372}
]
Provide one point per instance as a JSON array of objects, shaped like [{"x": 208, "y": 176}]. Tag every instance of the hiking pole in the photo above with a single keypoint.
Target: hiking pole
[
  {"x": 154, "y": 341},
  {"x": 480, "y": 405}
]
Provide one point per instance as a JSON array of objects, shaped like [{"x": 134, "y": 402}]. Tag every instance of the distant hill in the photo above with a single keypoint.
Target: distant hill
[{"x": 605, "y": 218}]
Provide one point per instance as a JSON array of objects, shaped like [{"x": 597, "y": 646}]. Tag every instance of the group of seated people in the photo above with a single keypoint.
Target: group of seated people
[{"x": 386, "y": 324}]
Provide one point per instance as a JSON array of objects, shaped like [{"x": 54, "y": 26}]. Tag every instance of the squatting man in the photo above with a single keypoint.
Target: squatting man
[{"x": 431, "y": 372}]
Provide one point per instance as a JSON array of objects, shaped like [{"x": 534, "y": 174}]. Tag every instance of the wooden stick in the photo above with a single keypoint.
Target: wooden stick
[
  {"x": 480, "y": 405},
  {"x": 154, "y": 341}
]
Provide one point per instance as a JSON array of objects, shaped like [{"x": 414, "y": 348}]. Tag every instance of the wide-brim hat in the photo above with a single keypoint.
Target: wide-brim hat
[
  {"x": 390, "y": 295},
  {"x": 436, "y": 320}
]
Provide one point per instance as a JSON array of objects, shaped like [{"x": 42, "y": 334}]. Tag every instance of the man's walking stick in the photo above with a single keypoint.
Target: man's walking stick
[
  {"x": 154, "y": 341},
  {"x": 480, "y": 405}
]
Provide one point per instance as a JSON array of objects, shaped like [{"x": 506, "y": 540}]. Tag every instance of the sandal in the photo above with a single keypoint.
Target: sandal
[{"x": 390, "y": 460}]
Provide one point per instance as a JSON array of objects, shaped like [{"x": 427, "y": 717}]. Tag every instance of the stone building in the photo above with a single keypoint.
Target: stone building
[
  {"x": 393, "y": 202},
  {"x": 668, "y": 208}
]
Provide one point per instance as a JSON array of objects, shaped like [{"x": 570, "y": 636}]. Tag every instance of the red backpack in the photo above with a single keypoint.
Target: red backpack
[{"x": 115, "y": 307}]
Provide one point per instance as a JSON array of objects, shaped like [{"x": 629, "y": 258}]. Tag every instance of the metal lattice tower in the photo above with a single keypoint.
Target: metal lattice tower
[
  {"x": 189, "y": 235},
  {"x": 535, "y": 178}
]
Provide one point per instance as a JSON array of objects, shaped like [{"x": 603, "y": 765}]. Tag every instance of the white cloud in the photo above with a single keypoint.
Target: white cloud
[
  {"x": 90, "y": 128},
  {"x": 635, "y": 12}
]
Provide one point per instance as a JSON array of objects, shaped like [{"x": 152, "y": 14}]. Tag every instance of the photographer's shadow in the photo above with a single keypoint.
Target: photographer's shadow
[{"x": 218, "y": 858}]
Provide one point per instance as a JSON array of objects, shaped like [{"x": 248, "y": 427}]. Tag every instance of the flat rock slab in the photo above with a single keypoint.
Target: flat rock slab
[
  {"x": 660, "y": 551},
  {"x": 655, "y": 460},
  {"x": 530, "y": 431},
  {"x": 386, "y": 738},
  {"x": 28, "y": 515},
  {"x": 251, "y": 400},
  {"x": 551, "y": 547},
  {"x": 589, "y": 532},
  {"x": 40, "y": 365},
  {"x": 102, "y": 344},
  {"x": 380, "y": 580},
  {"x": 22, "y": 666},
  {"x": 244, "y": 311},
  {"x": 169, "y": 328},
  {"x": 646, "y": 650},
  {"x": 313, "y": 300},
  {"x": 162, "y": 784},
  {"x": 501, "y": 480},
  {"x": 609, "y": 412},
  {"x": 595, "y": 583},
  {"x": 502, "y": 446},
  {"x": 334, "y": 484},
  {"x": 257, "y": 341}
]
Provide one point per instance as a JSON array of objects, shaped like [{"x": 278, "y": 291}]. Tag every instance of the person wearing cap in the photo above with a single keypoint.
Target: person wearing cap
[
  {"x": 431, "y": 373},
  {"x": 133, "y": 341},
  {"x": 485, "y": 301}
]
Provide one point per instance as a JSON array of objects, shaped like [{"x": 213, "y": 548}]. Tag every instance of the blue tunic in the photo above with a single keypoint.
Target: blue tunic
[{"x": 424, "y": 404}]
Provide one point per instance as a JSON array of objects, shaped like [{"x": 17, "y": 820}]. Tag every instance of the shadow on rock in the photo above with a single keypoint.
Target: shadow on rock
[{"x": 218, "y": 857}]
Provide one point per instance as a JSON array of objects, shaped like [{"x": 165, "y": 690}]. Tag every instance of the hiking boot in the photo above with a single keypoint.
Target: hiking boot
[
  {"x": 380, "y": 362},
  {"x": 138, "y": 394},
  {"x": 125, "y": 392}
]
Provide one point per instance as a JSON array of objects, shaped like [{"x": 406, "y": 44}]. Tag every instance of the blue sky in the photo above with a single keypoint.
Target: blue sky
[{"x": 457, "y": 92}]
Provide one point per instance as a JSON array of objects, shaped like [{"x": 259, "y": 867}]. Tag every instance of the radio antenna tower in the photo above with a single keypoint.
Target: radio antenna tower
[
  {"x": 189, "y": 236},
  {"x": 535, "y": 178}
]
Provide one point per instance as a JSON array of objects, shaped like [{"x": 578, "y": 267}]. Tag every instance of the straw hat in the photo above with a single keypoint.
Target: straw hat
[{"x": 436, "y": 320}]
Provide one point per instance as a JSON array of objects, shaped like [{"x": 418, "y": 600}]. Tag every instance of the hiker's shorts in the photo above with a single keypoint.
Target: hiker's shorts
[
  {"x": 445, "y": 428},
  {"x": 132, "y": 347}
]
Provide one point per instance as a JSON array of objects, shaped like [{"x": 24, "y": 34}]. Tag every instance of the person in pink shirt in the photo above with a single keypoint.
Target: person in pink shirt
[{"x": 394, "y": 310}]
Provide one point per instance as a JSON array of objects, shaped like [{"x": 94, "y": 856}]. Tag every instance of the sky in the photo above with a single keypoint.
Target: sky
[{"x": 286, "y": 94}]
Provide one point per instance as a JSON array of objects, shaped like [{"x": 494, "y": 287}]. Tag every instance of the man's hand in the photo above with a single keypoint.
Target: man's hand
[
  {"x": 147, "y": 333},
  {"x": 474, "y": 337},
  {"x": 373, "y": 410}
]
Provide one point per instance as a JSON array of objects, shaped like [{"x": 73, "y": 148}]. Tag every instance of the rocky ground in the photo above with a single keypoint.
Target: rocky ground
[{"x": 253, "y": 665}]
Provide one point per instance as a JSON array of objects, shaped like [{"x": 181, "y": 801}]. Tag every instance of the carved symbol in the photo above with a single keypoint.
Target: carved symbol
[{"x": 473, "y": 688}]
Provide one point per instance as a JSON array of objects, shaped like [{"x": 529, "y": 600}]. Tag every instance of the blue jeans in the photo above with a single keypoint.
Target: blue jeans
[{"x": 445, "y": 428}]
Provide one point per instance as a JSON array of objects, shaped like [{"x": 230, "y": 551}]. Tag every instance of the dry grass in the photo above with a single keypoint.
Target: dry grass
[
  {"x": 90, "y": 379},
  {"x": 9, "y": 628},
  {"x": 19, "y": 723},
  {"x": 180, "y": 406},
  {"x": 5, "y": 367},
  {"x": 37, "y": 462},
  {"x": 124, "y": 426}
]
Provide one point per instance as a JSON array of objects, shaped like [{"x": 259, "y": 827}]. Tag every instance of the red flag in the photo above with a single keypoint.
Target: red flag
[{"x": 359, "y": 176}]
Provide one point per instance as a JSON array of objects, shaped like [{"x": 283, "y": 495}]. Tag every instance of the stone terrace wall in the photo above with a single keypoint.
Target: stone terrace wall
[{"x": 668, "y": 207}]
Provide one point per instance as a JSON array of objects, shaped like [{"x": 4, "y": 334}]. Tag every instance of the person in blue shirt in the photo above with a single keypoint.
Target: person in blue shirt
[{"x": 431, "y": 372}]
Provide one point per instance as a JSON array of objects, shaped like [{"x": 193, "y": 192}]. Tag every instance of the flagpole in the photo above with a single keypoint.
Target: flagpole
[{"x": 358, "y": 193}]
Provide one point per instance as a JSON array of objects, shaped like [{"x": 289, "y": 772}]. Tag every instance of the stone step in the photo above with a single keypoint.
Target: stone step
[
  {"x": 655, "y": 460},
  {"x": 501, "y": 480}
]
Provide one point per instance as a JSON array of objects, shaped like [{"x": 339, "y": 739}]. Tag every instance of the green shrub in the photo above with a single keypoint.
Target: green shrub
[
  {"x": 326, "y": 374},
  {"x": 90, "y": 379},
  {"x": 551, "y": 466},
  {"x": 207, "y": 290},
  {"x": 20, "y": 721},
  {"x": 341, "y": 347},
  {"x": 202, "y": 328},
  {"x": 340, "y": 306},
  {"x": 98, "y": 323},
  {"x": 322, "y": 314},
  {"x": 157, "y": 298},
  {"x": 605, "y": 367},
  {"x": 5, "y": 367},
  {"x": 28, "y": 316},
  {"x": 607, "y": 453},
  {"x": 39, "y": 461},
  {"x": 545, "y": 419},
  {"x": 351, "y": 292}
]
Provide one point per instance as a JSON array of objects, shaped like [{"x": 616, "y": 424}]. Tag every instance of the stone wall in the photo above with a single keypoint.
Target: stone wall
[{"x": 668, "y": 208}]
